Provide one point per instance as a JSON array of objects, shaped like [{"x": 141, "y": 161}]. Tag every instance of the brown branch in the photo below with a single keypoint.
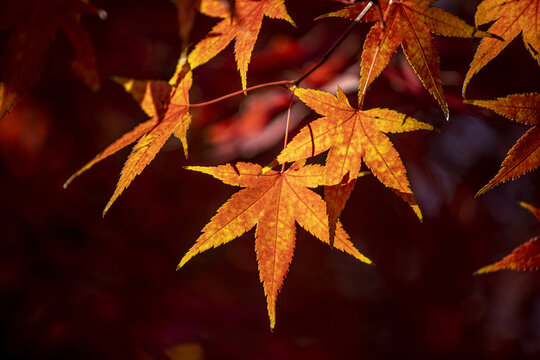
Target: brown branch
[
  {"x": 326, "y": 55},
  {"x": 225, "y": 97}
]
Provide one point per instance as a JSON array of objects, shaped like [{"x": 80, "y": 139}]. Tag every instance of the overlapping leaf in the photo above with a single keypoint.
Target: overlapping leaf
[
  {"x": 34, "y": 24},
  {"x": 272, "y": 201},
  {"x": 511, "y": 18},
  {"x": 524, "y": 257},
  {"x": 351, "y": 135},
  {"x": 167, "y": 108},
  {"x": 525, "y": 155},
  {"x": 244, "y": 26},
  {"x": 409, "y": 24}
]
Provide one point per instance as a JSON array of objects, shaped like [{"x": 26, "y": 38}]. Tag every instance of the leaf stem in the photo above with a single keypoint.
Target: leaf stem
[
  {"x": 321, "y": 61},
  {"x": 326, "y": 55},
  {"x": 225, "y": 97},
  {"x": 285, "y": 140},
  {"x": 385, "y": 17}
]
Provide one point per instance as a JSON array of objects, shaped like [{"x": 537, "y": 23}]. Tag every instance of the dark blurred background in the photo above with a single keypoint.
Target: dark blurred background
[{"x": 74, "y": 285}]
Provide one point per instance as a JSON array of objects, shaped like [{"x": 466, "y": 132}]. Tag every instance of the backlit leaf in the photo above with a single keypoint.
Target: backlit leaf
[
  {"x": 167, "y": 108},
  {"x": 273, "y": 201},
  {"x": 510, "y": 17},
  {"x": 525, "y": 155},
  {"x": 244, "y": 26},
  {"x": 534, "y": 210},
  {"x": 336, "y": 197},
  {"x": 351, "y": 135},
  {"x": 524, "y": 257},
  {"x": 409, "y": 24}
]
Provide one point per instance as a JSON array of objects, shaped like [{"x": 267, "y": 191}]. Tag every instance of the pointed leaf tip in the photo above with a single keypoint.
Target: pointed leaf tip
[
  {"x": 524, "y": 156},
  {"x": 353, "y": 137},
  {"x": 268, "y": 167},
  {"x": 532, "y": 209},
  {"x": 508, "y": 19},
  {"x": 523, "y": 258},
  {"x": 244, "y": 25},
  {"x": 409, "y": 25},
  {"x": 273, "y": 203}
]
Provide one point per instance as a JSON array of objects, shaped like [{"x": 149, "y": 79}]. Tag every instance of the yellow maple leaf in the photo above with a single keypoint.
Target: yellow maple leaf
[
  {"x": 272, "y": 201},
  {"x": 409, "y": 24},
  {"x": 167, "y": 108},
  {"x": 244, "y": 26},
  {"x": 511, "y": 18},
  {"x": 353, "y": 135}
]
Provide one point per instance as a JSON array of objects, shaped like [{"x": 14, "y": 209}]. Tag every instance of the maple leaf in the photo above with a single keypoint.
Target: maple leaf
[
  {"x": 352, "y": 135},
  {"x": 273, "y": 201},
  {"x": 409, "y": 24},
  {"x": 167, "y": 108},
  {"x": 524, "y": 257},
  {"x": 525, "y": 155},
  {"x": 34, "y": 24},
  {"x": 244, "y": 26},
  {"x": 511, "y": 17}
]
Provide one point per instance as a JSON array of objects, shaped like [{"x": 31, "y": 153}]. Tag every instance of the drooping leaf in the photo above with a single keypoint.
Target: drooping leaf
[
  {"x": 409, "y": 24},
  {"x": 353, "y": 135},
  {"x": 34, "y": 25},
  {"x": 336, "y": 197},
  {"x": 272, "y": 201},
  {"x": 167, "y": 108},
  {"x": 524, "y": 257},
  {"x": 510, "y": 17},
  {"x": 524, "y": 156},
  {"x": 244, "y": 25}
]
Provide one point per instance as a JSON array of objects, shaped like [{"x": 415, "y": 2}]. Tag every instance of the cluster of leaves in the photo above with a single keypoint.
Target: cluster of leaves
[
  {"x": 275, "y": 200},
  {"x": 509, "y": 19}
]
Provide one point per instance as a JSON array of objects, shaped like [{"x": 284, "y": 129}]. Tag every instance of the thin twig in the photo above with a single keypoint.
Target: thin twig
[
  {"x": 285, "y": 140},
  {"x": 321, "y": 61},
  {"x": 224, "y": 97},
  {"x": 336, "y": 44}
]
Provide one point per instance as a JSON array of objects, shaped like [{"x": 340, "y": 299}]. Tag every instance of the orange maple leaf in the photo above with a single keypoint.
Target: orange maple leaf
[
  {"x": 34, "y": 24},
  {"x": 352, "y": 135},
  {"x": 244, "y": 26},
  {"x": 524, "y": 257},
  {"x": 408, "y": 23},
  {"x": 525, "y": 155},
  {"x": 167, "y": 108},
  {"x": 273, "y": 201},
  {"x": 511, "y": 17}
]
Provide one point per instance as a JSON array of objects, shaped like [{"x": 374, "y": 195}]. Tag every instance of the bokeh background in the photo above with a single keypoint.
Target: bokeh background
[{"x": 74, "y": 285}]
